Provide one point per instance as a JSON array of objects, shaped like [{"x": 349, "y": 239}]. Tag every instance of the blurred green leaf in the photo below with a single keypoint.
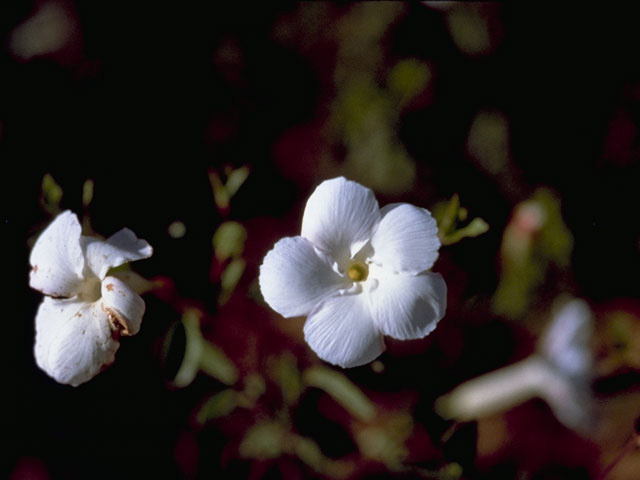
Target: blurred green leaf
[
  {"x": 220, "y": 194},
  {"x": 214, "y": 362},
  {"x": 202, "y": 355},
  {"x": 408, "y": 78},
  {"x": 87, "y": 192},
  {"x": 385, "y": 442},
  {"x": 263, "y": 440},
  {"x": 476, "y": 227},
  {"x": 308, "y": 451},
  {"x": 223, "y": 191},
  {"x": 254, "y": 388},
  {"x": 235, "y": 179},
  {"x": 284, "y": 370},
  {"x": 469, "y": 29},
  {"x": 449, "y": 214},
  {"x": 218, "y": 405},
  {"x": 342, "y": 390},
  {"x": 51, "y": 195},
  {"x": 535, "y": 241},
  {"x": 228, "y": 240},
  {"x": 230, "y": 278},
  {"x": 193, "y": 350},
  {"x": 446, "y": 214}
]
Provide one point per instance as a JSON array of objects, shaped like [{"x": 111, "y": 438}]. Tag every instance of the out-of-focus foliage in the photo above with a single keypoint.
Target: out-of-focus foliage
[
  {"x": 414, "y": 100},
  {"x": 365, "y": 112},
  {"x": 51, "y": 195},
  {"x": 342, "y": 390},
  {"x": 535, "y": 242},
  {"x": 223, "y": 191},
  {"x": 201, "y": 355},
  {"x": 449, "y": 215}
]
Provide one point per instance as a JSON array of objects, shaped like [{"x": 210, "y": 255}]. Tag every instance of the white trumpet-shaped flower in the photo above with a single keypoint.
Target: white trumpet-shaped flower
[
  {"x": 85, "y": 310},
  {"x": 358, "y": 272},
  {"x": 559, "y": 373}
]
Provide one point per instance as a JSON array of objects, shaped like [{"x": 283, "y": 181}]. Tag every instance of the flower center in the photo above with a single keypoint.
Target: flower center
[
  {"x": 91, "y": 289},
  {"x": 358, "y": 271}
]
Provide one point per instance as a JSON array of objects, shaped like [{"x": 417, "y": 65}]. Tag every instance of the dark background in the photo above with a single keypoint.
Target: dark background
[{"x": 141, "y": 106}]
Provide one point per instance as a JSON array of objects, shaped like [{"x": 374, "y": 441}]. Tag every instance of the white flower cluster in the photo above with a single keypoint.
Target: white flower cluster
[
  {"x": 85, "y": 310},
  {"x": 358, "y": 272}
]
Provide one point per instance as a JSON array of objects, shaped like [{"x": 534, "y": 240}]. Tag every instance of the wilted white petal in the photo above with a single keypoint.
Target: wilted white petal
[
  {"x": 73, "y": 340},
  {"x": 406, "y": 306},
  {"x": 119, "y": 248},
  {"x": 406, "y": 239},
  {"x": 294, "y": 278},
  {"x": 339, "y": 217},
  {"x": 56, "y": 258},
  {"x": 341, "y": 331},
  {"x": 124, "y": 307},
  {"x": 566, "y": 341}
]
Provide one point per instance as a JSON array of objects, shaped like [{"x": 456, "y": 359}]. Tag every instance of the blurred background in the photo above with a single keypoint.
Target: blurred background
[{"x": 205, "y": 128}]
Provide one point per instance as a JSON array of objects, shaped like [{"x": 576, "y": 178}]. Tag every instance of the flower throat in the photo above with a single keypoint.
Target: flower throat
[{"x": 358, "y": 271}]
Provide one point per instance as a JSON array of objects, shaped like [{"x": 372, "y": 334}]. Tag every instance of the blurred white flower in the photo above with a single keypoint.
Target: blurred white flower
[
  {"x": 559, "y": 373},
  {"x": 84, "y": 311},
  {"x": 358, "y": 272},
  {"x": 48, "y": 30}
]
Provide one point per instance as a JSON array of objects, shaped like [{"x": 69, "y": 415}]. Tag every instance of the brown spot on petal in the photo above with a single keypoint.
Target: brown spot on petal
[
  {"x": 110, "y": 287},
  {"x": 35, "y": 268}
]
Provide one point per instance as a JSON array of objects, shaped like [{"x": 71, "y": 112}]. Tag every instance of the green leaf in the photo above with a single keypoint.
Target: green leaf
[
  {"x": 284, "y": 370},
  {"x": 235, "y": 179},
  {"x": 220, "y": 194},
  {"x": 218, "y": 405},
  {"x": 51, "y": 195},
  {"x": 202, "y": 355},
  {"x": 447, "y": 215},
  {"x": 230, "y": 278},
  {"x": 408, "y": 78},
  {"x": 228, "y": 241},
  {"x": 342, "y": 390},
  {"x": 476, "y": 227},
  {"x": 193, "y": 350},
  {"x": 308, "y": 451},
  {"x": 87, "y": 192},
  {"x": 214, "y": 362},
  {"x": 264, "y": 440}
]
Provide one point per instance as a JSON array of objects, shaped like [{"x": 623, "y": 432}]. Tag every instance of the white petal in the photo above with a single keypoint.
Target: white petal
[
  {"x": 407, "y": 306},
  {"x": 119, "y": 248},
  {"x": 56, "y": 259},
  {"x": 294, "y": 279},
  {"x": 124, "y": 306},
  {"x": 341, "y": 331},
  {"x": 340, "y": 217},
  {"x": 406, "y": 239},
  {"x": 73, "y": 340},
  {"x": 566, "y": 341}
]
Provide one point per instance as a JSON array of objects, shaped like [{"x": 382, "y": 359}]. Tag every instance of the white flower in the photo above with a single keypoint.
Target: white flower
[
  {"x": 79, "y": 321},
  {"x": 559, "y": 372},
  {"x": 358, "y": 272}
]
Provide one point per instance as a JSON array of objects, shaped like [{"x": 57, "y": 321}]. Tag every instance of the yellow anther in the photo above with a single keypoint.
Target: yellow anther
[{"x": 358, "y": 271}]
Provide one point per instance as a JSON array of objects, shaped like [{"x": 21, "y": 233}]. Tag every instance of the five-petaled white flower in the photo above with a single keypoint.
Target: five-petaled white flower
[
  {"x": 84, "y": 311},
  {"x": 358, "y": 272}
]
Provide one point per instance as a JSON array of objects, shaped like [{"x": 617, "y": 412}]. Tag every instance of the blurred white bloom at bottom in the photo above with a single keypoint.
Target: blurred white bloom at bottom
[
  {"x": 559, "y": 373},
  {"x": 80, "y": 320},
  {"x": 358, "y": 272}
]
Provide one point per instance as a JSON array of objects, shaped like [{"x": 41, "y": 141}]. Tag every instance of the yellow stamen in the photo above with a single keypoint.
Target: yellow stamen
[{"x": 358, "y": 271}]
